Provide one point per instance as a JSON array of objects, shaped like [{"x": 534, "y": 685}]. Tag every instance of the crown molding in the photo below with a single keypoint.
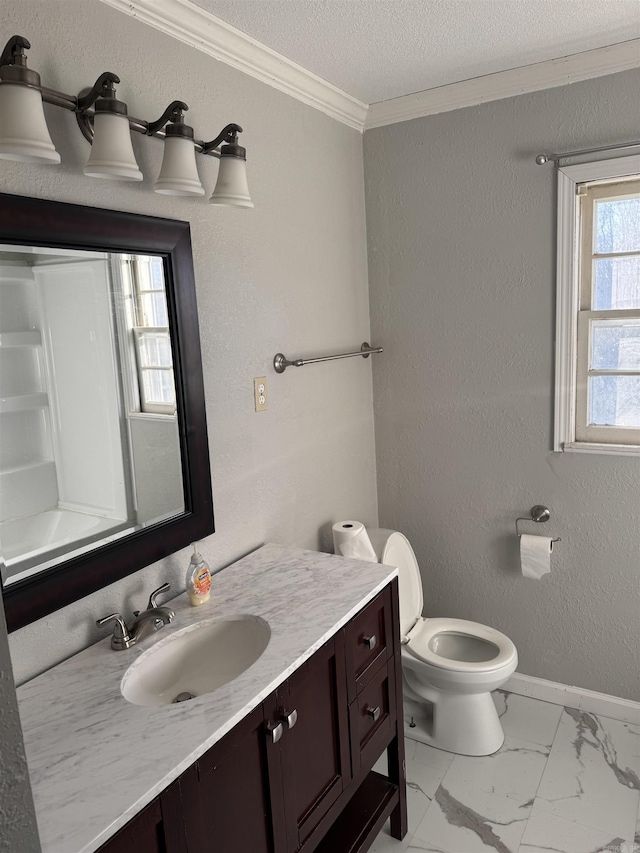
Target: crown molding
[
  {"x": 202, "y": 30},
  {"x": 506, "y": 84}
]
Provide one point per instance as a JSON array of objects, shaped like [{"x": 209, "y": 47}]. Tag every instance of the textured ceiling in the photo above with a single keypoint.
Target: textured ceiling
[{"x": 381, "y": 49}]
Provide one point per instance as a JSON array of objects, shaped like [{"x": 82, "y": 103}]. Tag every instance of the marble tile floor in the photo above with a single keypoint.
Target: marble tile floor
[{"x": 564, "y": 781}]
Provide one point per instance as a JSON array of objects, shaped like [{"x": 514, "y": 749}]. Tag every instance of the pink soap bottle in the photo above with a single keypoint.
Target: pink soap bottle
[{"x": 198, "y": 579}]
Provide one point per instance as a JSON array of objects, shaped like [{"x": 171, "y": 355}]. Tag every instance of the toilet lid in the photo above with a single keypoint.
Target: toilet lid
[{"x": 398, "y": 552}]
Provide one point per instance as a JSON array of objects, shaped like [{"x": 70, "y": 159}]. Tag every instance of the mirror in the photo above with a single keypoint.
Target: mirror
[{"x": 103, "y": 452}]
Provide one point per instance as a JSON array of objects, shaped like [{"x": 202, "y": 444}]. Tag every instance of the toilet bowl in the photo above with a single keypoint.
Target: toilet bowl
[{"x": 450, "y": 666}]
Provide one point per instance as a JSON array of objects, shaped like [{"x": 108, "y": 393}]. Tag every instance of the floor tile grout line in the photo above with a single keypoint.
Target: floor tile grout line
[
  {"x": 451, "y": 767},
  {"x": 553, "y": 749},
  {"x": 535, "y": 796},
  {"x": 598, "y": 718}
]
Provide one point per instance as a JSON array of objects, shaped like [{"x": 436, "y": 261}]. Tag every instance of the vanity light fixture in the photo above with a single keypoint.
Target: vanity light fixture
[
  {"x": 231, "y": 186},
  {"x": 106, "y": 124},
  {"x": 179, "y": 173},
  {"x": 24, "y": 135},
  {"x": 111, "y": 151}
]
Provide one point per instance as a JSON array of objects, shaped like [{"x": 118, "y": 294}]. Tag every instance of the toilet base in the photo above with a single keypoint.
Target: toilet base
[{"x": 465, "y": 724}]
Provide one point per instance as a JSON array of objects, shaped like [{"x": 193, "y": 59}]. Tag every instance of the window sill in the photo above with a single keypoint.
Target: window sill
[
  {"x": 602, "y": 449},
  {"x": 150, "y": 416}
]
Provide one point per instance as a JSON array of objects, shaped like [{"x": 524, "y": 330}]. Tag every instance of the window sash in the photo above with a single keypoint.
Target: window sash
[
  {"x": 568, "y": 295},
  {"x": 587, "y": 198},
  {"x": 595, "y": 433},
  {"x": 147, "y": 404},
  {"x": 153, "y": 406}
]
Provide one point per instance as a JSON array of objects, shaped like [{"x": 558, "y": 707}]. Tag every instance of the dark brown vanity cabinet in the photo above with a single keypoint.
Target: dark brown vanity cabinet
[
  {"x": 235, "y": 790},
  {"x": 315, "y": 753},
  {"x": 266, "y": 785},
  {"x": 295, "y": 774},
  {"x": 158, "y": 828}
]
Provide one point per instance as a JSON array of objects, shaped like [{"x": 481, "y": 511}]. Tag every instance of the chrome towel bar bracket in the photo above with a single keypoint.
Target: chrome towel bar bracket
[
  {"x": 539, "y": 514},
  {"x": 281, "y": 362}
]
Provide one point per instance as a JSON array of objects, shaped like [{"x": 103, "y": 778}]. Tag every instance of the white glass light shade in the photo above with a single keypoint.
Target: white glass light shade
[
  {"x": 112, "y": 152},
  {"x": 232, "y": 188},
  {"x": 23, "y": 130},
  {"x": 179, "y": 173}
]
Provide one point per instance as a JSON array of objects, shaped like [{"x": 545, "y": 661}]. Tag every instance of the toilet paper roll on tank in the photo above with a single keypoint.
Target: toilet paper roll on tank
[{"x": 350, "y": 539}]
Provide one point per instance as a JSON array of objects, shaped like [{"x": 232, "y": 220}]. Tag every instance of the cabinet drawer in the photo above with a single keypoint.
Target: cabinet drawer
[
  {"x": 369, "y": 642},
  {"x": 372, "y": 718}
]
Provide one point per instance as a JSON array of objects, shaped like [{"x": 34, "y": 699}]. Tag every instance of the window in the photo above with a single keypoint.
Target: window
[
  {"x": 598, "y": 312},
  {"x": 144, "y": 280}
]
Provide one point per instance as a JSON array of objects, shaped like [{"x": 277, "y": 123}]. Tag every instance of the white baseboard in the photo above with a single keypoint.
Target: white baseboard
[{"x": 625, "y": 710}]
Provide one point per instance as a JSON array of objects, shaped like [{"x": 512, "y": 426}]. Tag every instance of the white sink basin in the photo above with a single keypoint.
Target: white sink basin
[{"x": 196, "y": 660}]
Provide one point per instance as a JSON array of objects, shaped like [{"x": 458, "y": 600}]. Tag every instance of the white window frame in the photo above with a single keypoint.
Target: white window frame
[
  {"x": 568, "y": 300},
  {"x": 149, "y": 406}
]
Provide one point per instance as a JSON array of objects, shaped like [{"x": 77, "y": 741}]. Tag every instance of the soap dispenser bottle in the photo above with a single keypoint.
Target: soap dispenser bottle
[{"x": 198, "y": 579}]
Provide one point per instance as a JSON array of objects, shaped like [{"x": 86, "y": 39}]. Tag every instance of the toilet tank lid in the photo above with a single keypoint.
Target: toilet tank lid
[{"x": 394, "y": 549}]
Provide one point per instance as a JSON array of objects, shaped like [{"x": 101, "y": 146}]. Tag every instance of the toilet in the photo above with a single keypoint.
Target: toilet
[{"x": 449, "y": 666}]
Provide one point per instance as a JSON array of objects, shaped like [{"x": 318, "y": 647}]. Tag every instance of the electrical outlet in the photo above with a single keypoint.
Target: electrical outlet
[{"x": 260, "y": 393}]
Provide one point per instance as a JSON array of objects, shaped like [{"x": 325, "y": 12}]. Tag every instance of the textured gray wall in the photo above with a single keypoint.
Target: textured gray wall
[
  {"x": 461, "y": 231},
  {"x": 289, "y": 276},
  {"x": 18, "y": 830}
]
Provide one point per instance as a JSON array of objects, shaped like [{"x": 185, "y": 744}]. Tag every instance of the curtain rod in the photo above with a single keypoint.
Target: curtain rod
[{"x": 541, "y": 159}]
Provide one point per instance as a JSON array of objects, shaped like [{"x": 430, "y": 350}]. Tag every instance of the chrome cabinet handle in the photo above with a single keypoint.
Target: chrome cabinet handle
[
  {"x": 152, "y": 598},
  {"x": 276, "y": 732},
  {"x": 371, "y": 642},
  {"x": 289, "y": 719},
  {"x": 374, "y": 713}
]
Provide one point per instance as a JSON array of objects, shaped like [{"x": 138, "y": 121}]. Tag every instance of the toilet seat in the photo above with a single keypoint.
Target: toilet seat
[
  {"x": 395, "y": 549},
  {"x": 421, "y": 641}
]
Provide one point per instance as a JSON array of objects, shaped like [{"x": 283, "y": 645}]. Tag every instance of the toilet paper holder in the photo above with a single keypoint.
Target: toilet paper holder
[{"x": 539, "y": 514}]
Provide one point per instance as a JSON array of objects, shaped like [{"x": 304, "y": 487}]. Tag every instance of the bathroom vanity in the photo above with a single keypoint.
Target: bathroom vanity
[{"x": 278, "y": 760}]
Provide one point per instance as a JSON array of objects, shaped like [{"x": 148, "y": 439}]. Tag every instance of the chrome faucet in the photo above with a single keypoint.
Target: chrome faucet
[{"x": 145, "y": 623}]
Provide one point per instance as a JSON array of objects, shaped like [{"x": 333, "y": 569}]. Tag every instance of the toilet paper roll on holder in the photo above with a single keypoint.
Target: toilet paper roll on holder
[{"x": 539, "y": 514}]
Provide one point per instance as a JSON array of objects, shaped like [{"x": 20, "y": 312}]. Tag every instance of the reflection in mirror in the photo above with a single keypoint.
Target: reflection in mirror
[{"x": 89, "y": 437}]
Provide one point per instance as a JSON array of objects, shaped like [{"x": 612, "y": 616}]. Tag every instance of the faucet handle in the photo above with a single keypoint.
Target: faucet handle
[
  {"x": 152, "y": 598},
  {"x": 121, "y": 638}
]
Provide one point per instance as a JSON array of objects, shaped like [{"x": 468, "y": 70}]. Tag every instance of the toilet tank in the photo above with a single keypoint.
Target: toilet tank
[{"x": 394, "y": 549}]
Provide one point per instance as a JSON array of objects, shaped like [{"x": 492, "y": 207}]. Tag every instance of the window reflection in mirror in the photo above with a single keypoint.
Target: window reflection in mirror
[{"x": 89, "y": 440}]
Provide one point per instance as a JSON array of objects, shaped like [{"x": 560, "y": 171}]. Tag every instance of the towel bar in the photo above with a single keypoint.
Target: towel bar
[{"x": 281, "y": 362}]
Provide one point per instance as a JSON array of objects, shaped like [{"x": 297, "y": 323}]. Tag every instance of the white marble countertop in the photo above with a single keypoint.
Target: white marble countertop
[{"x": 95, "y": 760}]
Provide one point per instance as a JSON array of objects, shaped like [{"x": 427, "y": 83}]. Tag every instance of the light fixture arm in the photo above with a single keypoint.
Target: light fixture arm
[
  {"x": 174, "y": 113},
  {"x": 13, "y": 64},
  {"x": 104, "y": 86},
  {"x": 13, "y": 53},
  {"x": 99, "y": 106},
  {"x": 228, "y": 134},
  {"x": 81, "y": 105}
]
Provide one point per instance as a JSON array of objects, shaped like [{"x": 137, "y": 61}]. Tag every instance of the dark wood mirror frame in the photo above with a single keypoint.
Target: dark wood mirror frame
[{"x": 30, "y": 221}]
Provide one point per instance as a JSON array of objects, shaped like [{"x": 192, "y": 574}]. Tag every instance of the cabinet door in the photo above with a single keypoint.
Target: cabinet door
[
  {"x": 315, "y": 755},
  {"x": 239, "y": 791},
  {"x": 158, "y": 828},
  {"x": 143, "y": 834}
]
